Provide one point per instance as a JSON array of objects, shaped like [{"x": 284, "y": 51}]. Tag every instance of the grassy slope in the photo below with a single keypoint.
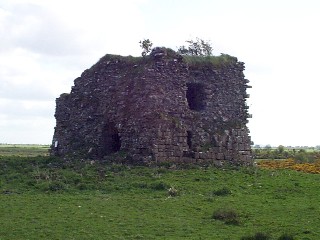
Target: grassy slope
[{"x": 45, "y": 198}]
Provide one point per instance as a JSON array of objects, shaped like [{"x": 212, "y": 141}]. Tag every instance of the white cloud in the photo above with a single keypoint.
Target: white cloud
[{"x": 37, "y": 30}]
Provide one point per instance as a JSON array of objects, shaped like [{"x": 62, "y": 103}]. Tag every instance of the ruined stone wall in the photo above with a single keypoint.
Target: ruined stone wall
[
  {"x": 214, "y": 127},
  {"x": 155, "y": 109}
]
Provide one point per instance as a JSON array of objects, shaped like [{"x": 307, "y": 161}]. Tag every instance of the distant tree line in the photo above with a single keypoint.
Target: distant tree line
[{"x": 281, "y": 152}]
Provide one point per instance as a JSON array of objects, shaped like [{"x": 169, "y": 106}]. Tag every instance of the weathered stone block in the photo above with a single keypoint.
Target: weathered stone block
[{"x": 220, "y": 156}]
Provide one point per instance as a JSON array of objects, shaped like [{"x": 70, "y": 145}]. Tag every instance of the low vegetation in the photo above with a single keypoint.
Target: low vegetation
[
  {"x": 217, "y": 61},
  {"x": 291, "y": 164},
  {"x": 43, "y": 197},
  {"x": 228, "y": 216},
  {"x": 298, "y": 154},
  {"x": 304, "y": 160}
]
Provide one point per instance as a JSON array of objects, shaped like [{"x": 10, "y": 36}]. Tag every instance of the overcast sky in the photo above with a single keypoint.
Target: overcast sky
[{"x": 45, "y": 45}]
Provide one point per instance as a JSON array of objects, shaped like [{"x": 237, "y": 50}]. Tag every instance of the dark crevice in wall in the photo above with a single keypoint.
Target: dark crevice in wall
[{"x": 189, "y": 139}]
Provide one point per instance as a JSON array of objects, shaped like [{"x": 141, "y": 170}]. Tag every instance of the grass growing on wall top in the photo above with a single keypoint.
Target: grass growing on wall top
[
  {"x": 128, "y": 59},
  {"x": 217, "y": 61}
]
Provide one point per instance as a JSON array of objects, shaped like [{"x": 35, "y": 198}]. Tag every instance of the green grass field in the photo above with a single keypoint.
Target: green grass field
[
  {"x": 47, "y": 198},
  {"x": 26, "y": 150}
]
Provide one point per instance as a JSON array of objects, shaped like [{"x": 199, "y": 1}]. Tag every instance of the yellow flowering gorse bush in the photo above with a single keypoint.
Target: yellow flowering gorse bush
[{"x": 290, "y": 164}]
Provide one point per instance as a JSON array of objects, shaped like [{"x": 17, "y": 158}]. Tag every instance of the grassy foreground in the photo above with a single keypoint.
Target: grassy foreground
[{"x": 48, "y": 198}]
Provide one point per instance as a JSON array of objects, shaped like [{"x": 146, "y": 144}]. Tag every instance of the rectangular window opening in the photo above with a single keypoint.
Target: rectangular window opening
[{"x": 196, "y": 96}]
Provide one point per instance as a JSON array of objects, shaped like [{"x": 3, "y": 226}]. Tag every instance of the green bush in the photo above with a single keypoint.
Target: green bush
[
  {"x": 116, "y": 168},
  {"x": 257, "y": 236},
  {"x": 286, "y": 236},
  {"x": 228, "y": 216},
  {"x": 56, "y": 186},
  {"x": 303, "y": 156},
  {"x": 142, "y": 185},
  {"x": 159, "y": 186},
  {"x": 222, "y": 192}
]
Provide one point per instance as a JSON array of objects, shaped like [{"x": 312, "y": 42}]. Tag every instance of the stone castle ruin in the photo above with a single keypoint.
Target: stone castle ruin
[{"x": 160, "y": 108}]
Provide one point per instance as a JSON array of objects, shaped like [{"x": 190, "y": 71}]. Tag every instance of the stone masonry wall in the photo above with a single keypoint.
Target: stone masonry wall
[{"x": 155, "y": 109}]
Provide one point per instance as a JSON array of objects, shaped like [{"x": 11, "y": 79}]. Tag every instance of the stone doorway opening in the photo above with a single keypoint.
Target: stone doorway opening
[
  {"x": 195, "y": 96},
  {"x": 111, "y": 140}
]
